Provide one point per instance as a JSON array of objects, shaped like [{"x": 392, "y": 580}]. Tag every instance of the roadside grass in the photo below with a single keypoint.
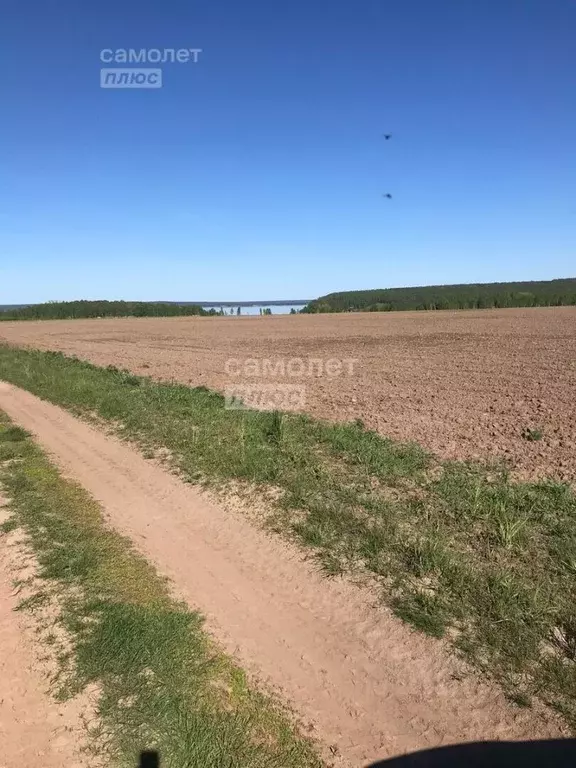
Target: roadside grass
[
  {"x": 460, "y": 551},
  {"x": 162, "y": 683}
]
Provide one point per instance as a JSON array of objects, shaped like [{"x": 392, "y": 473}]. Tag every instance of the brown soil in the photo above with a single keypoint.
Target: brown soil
[
  {"x": 463, "y": 384},
  {"x": 35, "y": 730},
  {"x": 367, "y": 686}
]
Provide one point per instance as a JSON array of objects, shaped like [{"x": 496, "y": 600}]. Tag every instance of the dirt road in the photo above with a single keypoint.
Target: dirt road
[
  {"x": 463, "y": 384},
  {"x": 365, "y": 684},
  {"x": 35, "y": 730}
]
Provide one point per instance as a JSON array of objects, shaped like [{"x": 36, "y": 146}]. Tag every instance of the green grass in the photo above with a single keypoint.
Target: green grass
[
  {"x": 162, "y": 683},
  {"x": 532, "y": 435},
  {"x": 457, "y": 548}
]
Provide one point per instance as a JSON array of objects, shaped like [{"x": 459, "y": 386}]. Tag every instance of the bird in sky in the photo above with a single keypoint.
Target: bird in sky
[
  {"x": 388, "y": 195},
  {"x": 387, "y": 136}
]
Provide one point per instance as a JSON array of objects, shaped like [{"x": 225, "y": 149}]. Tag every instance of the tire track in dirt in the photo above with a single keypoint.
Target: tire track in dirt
[
  {"x": 35, "y": 730},
  {"x": 367, "y": 685}
]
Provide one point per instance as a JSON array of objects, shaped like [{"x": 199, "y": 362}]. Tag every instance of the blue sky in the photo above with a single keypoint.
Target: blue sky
[{"x": 259, "y": 171}]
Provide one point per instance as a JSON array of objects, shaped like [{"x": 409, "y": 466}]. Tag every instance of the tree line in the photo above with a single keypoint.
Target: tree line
[
  {"x": 545, "y": 293},
  {"x": 68, "y": 310}
]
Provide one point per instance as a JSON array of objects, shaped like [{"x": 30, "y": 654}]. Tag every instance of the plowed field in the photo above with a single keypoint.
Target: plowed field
[{"x": 473, "y": 384}]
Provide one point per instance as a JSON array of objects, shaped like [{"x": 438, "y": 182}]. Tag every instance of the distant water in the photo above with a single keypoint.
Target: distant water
[{"x": 280, "y": 309}]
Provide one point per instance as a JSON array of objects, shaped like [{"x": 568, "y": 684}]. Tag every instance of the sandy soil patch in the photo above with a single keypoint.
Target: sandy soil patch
[{"x": 35, "y": 730}]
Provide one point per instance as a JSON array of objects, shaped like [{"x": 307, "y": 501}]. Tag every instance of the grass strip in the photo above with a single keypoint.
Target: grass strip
[
  {"x": 162, "y": 682},
  {"x": 459, "y": 549}
]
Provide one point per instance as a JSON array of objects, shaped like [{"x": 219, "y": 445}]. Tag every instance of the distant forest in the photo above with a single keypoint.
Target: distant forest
[
  {"x": 546, "y": 293},
  {"x": 67, "y": 310}
]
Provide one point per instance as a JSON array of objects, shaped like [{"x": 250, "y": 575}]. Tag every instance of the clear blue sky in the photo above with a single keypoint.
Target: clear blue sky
[{"x": 259, "y": 171}]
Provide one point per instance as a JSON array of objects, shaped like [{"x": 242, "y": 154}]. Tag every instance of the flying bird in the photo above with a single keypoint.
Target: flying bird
[
  {"x": 388, "y": 195},
  {"x": 387, "y": 136}
]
